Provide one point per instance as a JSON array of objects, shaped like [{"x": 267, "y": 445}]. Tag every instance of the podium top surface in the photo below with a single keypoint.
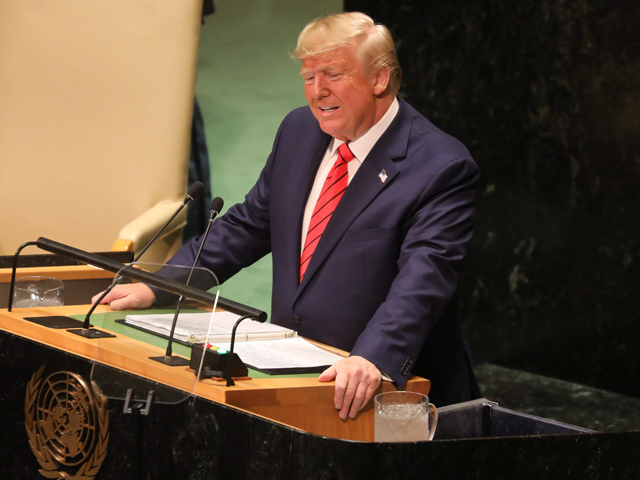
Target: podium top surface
[{"x": 298, "y": 401}]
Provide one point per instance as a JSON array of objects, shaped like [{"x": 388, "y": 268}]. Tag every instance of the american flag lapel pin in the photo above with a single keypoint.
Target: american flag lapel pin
[{"x": 383, "y": 176}]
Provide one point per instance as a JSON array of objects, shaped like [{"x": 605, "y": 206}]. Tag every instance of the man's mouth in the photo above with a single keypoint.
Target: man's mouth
[{"x": 328, "y": 109}]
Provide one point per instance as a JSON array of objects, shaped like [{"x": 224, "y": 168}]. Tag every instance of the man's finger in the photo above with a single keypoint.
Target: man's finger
[
  {"x": 328, "y": 375},
  {"x": 359, "y": 399},
  {"x": 340, "y": 390},
  {"x": 356, "y": 380},
  {"x": 371, "y": 389},
  {"x": 118, "y": 305},
  {"x": 96, "y": 297},
  {"x": 347, "y": 397}
]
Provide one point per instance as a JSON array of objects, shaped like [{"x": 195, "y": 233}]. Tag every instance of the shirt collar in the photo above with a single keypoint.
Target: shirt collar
[{"x": 363, "y": 145}]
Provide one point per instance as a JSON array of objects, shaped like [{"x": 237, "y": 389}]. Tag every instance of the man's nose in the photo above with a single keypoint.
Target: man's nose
[{"x": 319, "y": 88}]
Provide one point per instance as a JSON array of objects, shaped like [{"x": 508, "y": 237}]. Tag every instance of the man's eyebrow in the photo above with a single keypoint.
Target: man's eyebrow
[{"x": 324, "y": 69}]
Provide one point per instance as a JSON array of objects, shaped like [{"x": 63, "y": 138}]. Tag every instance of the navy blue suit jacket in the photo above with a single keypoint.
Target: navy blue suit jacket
[{"x": 381, "y": 281}]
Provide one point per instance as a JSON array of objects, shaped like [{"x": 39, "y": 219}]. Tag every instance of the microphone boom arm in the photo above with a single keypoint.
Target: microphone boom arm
[{"x": 166, "y": 284}]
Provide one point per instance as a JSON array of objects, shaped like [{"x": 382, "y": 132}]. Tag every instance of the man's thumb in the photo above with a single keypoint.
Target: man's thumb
[{"x": 328, "y": 375}]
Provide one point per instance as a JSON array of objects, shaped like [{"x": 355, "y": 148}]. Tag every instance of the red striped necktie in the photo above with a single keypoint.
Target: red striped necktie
[{"x": 332, "y": 190}]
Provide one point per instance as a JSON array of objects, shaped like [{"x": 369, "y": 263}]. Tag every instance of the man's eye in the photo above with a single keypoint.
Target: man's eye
[{"x": 308, "y": 79}]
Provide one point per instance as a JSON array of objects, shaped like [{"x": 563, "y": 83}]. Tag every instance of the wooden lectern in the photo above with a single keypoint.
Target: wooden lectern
[
  {"x": 191, "y": 427},
  {"x": 301, "y": 403},
  {"x": 152, "y": 421}
]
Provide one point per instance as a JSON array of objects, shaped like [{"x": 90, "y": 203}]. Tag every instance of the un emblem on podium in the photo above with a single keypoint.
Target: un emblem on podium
[{"x": 68, "y": 425}]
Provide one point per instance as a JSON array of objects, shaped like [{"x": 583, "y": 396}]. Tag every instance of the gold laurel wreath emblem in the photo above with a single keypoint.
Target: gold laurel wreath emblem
[{"x": 52, "y": 468}]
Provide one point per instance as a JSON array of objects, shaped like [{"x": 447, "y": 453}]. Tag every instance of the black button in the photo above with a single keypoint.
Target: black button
[{"x": 297, "y": 319}]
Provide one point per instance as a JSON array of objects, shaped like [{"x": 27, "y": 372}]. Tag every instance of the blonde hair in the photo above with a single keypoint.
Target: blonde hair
[{"x": 374, "y": 43}]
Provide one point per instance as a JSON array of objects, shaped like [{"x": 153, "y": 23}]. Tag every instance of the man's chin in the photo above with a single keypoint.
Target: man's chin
[{"x": 332, "y": 130}]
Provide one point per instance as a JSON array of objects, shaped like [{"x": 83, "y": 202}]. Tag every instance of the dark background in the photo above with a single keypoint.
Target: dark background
[{"x": 546, "y": 96}]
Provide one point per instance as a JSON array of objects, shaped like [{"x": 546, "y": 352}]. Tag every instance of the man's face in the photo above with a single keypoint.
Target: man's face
[{"x": 341, "y": 97}]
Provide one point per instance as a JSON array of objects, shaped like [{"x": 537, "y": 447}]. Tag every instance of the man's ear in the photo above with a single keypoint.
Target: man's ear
[{"x": 381, "y": 81}]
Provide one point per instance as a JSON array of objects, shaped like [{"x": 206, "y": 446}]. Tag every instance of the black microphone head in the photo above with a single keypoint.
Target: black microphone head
[
  {"x": 194, "y": 191},
  {"x": 216, "y": 205}
]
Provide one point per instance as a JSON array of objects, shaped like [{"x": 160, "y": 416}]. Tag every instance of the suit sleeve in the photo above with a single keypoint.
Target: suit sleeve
[
  {"x": 236, "y": 240},
  {"x": 436, "y": 233}
]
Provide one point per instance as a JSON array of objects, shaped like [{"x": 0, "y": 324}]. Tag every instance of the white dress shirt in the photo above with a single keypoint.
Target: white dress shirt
[{"x": 360, "y": 149}]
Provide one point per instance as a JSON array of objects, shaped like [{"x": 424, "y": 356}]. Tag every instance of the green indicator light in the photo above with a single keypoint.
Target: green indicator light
[{"x": 222, "y": 351}]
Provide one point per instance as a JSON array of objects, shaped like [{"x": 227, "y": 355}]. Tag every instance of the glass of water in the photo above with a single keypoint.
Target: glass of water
[
  {"x": 404, "y": 417},
  {"x": 38, "y": 292}
]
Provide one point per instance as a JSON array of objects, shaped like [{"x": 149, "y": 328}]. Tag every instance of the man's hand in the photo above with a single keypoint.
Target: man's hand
[
  {"x": 356, "y": 381},
  {"x": 129, "y": 296}
]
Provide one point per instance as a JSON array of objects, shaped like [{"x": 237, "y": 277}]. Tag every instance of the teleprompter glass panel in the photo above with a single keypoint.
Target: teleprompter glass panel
[{"x": 140, "y": 357}]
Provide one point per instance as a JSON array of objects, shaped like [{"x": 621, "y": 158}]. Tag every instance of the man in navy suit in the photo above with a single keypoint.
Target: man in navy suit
[{"x": 383, "y": 270}]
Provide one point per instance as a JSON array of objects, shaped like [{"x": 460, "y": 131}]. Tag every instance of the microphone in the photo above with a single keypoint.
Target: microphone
[
  {"x": 168, "y": 359},
  {"x": 228, "y": 365},
  {"x": 193, "y": 192}
]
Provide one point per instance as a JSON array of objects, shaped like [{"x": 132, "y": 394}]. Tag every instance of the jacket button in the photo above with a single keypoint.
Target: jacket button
[{"x": 297, "y": 319}]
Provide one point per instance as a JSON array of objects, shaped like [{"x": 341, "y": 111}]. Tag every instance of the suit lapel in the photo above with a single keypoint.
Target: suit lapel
[{"x": 364, "y": 188}]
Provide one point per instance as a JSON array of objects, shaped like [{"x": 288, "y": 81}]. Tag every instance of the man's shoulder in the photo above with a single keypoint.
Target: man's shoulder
[
  {"x": 301, "y": 118},
  {"x": 424, "y": 134}
]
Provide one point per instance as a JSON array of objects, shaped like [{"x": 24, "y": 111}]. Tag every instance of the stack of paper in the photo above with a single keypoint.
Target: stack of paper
[
  {"x": 194, "y": 327},
  {"x": 262, "y": 346}
]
